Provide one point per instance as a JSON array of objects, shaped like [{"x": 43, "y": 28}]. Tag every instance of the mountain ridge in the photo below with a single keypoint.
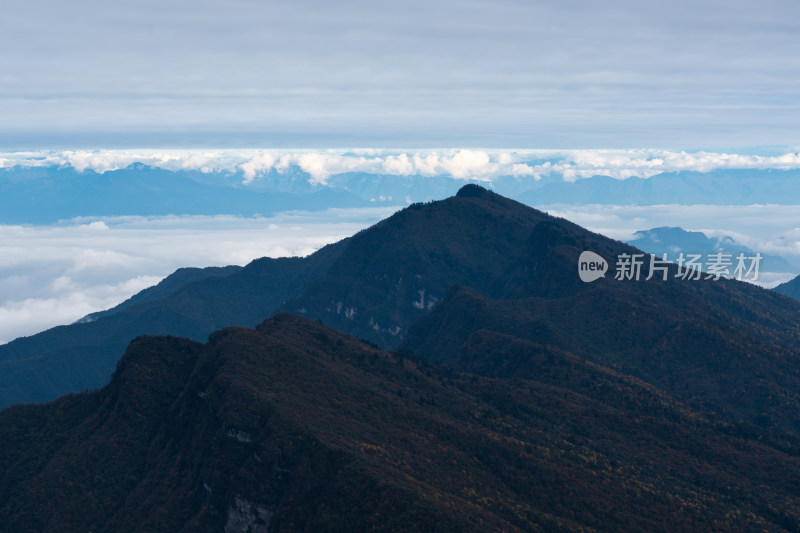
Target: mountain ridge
[
  {"x": 791, "y": 288},
  {"x": 380, "y": 282},
  {"x": 676, "y": 240},
  {"x": 522, "y": 399},
  {"x": 231, "y": 433},
  {"x": 49, "y": 195},
  {"x": 82, "y": 356}
]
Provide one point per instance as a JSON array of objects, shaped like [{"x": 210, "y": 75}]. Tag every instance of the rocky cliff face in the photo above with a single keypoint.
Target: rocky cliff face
[{"x": 248, "y": 517}]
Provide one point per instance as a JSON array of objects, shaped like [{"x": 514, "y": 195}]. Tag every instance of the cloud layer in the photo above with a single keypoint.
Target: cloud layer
[
  {"x": 51, "y": 275},
  {"x": 468, "y": 164},
  {"x": 769, "y": 229}
]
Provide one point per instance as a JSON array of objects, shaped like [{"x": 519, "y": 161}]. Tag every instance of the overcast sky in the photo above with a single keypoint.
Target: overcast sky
[{"x": 420, "y": 73}]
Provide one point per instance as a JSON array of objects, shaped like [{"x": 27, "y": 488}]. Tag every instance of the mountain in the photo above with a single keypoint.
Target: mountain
[
  {"x": 702, "y": 341},
  {"x": 791, "y": 288},
  {"x": 390, "y": 275},
  {"x": 517, "y": 398},
  {"x": 716, "y": 187},
  {"x": 674, "y": 241},
  {"x": 378, "y": 283},
  {"x": 296, "y": 427},
  {"x": 165, "y": 288},
  {"x": 190, "y": 303},
  {"x": 49, "y": 194},
  {"x": 396, "y": 271}
]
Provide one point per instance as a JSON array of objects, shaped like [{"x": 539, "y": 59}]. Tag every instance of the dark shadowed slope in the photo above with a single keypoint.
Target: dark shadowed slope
[
  {"x": 791, "y": 288},
  {"x": 166, "y": 287},
  {"x": 716, "y": 349},
  {"x": 722, "y": 345},
  {"x": 82, "y": 356},
  {"x": 396, "y": 271},
  {"x": 701, "y": 340},
  {"x": 296, "y": 427}
]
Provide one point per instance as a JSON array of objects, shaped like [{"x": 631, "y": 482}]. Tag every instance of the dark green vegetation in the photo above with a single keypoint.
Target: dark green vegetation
[
  {"x": 165, "y": 288},
  {"x": 189, "y": 303},
  {"x": 714, "y": 345},
  {"x": 791, "y": 288},
  {"x": 307, "y": 429},
  {"x": 373, "y": 286},
  {"x": 516, "y": 397},
  {"x": 396, "y": 271}
]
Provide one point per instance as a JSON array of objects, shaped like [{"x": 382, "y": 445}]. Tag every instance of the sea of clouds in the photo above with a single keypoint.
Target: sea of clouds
[
  {"x": 768, "y": 229},
  {"x": 56, "y": 274},
  {"x": 52, "y": 275}
]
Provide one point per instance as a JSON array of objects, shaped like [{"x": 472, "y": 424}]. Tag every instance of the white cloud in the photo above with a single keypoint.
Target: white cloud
[
  {"x": 56, "y": 274},
  {"x": 770, "y": 229},
  {"x": 319, "y": 165},
  {"x": 258, "y": 164},
  {"x": 467, "y": 164},
  {"x": 51, "y": 275},
  {"x": 624, "y": 164},
  {"x": 484, "y": 165},
  {"x": 69, "y": 301}
]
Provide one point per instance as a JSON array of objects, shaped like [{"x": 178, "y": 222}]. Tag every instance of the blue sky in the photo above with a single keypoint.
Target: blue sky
[{"x": 432, "y": 73}]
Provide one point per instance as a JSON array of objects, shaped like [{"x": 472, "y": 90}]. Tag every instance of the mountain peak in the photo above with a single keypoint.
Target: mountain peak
[{"x": 472, "y": 190}]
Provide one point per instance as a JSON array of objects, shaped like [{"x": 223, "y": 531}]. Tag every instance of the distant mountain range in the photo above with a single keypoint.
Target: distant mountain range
[
  {"x": 47, "y": 195},
  {"x": 717, "y": 187},
  {"x": 43, "y": 195},
  {"x": 674, "y": 241},
  {"x": 515, "y": 397}
]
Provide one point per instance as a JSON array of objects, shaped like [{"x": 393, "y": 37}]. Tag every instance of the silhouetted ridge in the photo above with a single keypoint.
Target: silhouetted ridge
[
  {"x": 472, "y": 190},
  {"x": 190, "y": 303},
  {"x": 395, "y": 272},
  {"x": 790, "y": 288},
  {"x": 720, "y": 346},
  {"x": 297, "y": 427}
]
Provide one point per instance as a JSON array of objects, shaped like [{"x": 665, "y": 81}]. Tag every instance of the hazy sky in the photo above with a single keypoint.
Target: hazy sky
[{"x": 432, "y": 73}]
